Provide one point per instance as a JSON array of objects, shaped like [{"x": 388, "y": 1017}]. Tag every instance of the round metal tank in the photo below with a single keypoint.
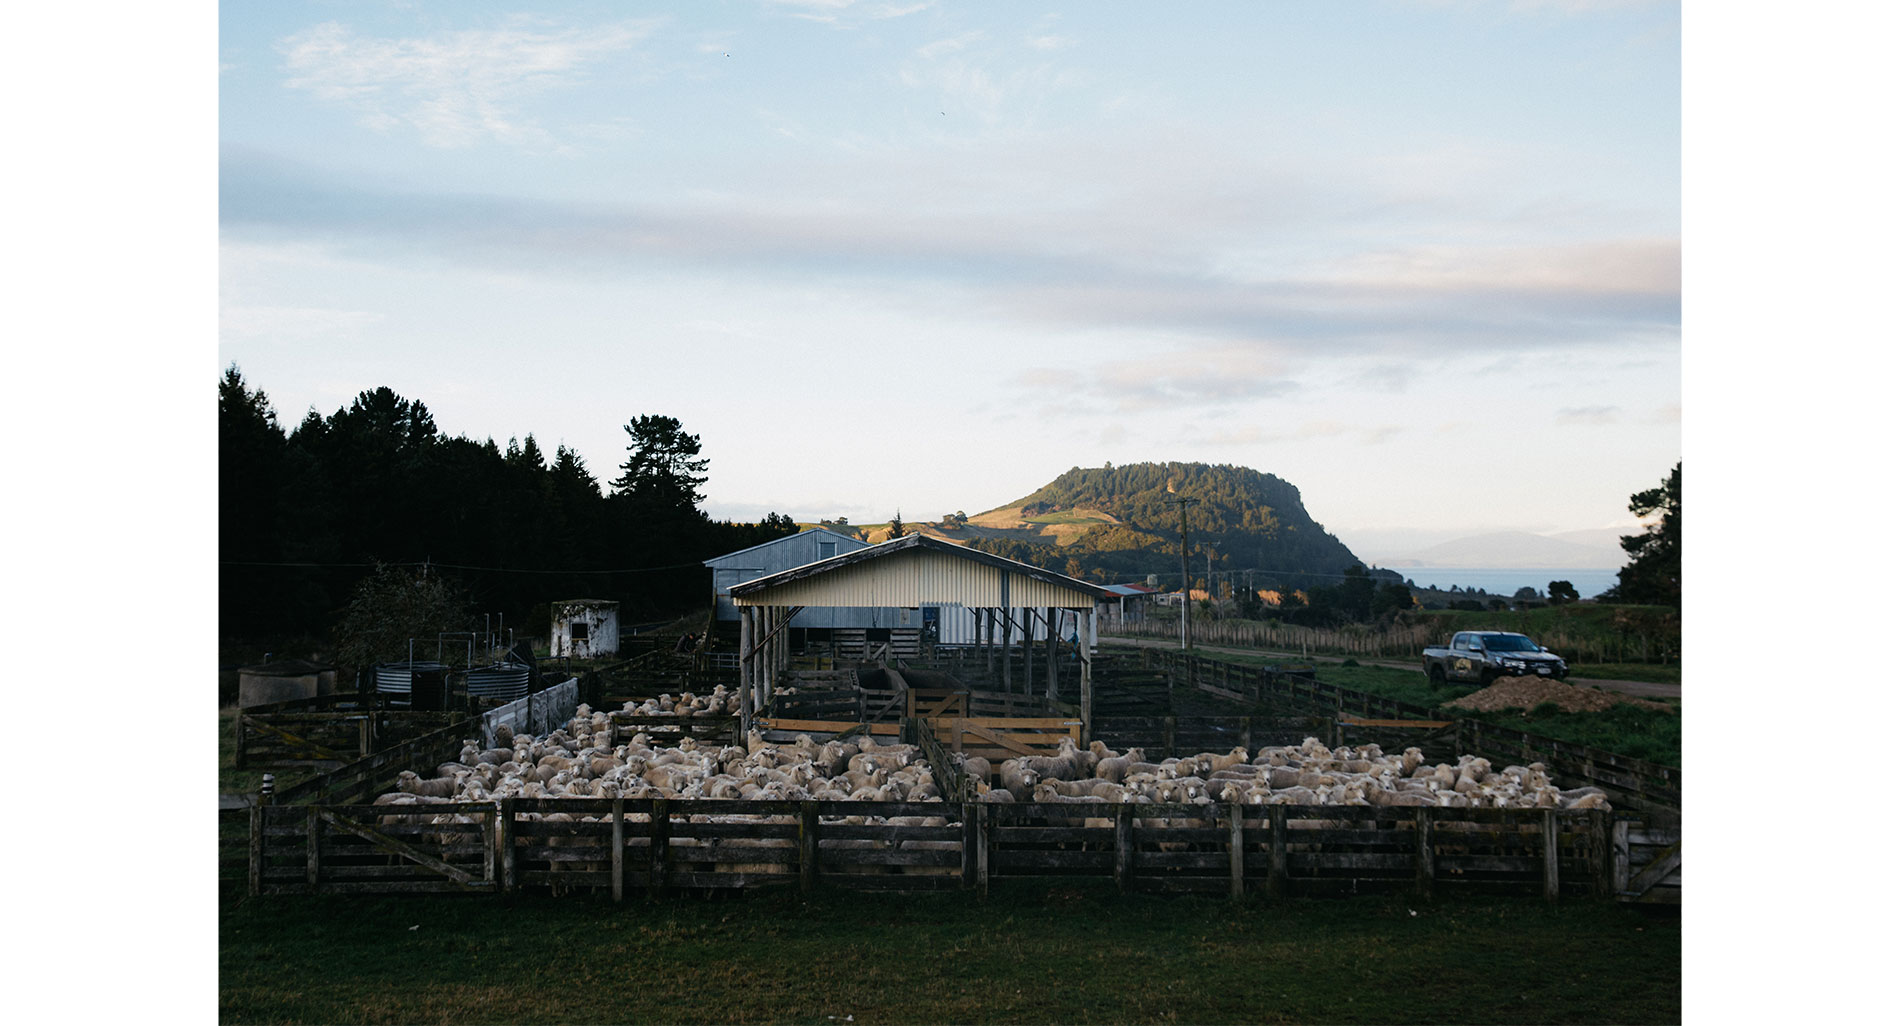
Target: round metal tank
[
  {"x": 421, "y": 681},
  {"x": 505, "y": 681},
  {"x": 283, "y": 680}
]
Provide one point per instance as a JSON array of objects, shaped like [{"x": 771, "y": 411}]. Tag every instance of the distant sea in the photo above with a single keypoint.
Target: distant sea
[{"x": 1589, "y": 583}]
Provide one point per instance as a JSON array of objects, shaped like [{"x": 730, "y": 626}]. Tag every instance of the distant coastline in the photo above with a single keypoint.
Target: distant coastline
[{"x": 1506, "y": 581}]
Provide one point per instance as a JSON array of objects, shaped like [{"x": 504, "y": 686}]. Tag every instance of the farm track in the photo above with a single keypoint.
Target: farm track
[{"x": 1636, "y": 688}]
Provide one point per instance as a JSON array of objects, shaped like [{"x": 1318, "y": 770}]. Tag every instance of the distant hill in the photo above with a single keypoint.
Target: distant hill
[
  {"x": 1120, "y": 523},
  {"x": 1514, "y": 550}
]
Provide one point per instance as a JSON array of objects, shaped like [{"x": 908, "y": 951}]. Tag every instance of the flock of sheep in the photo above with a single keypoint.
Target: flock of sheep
[{"x": 581, "y": 760}]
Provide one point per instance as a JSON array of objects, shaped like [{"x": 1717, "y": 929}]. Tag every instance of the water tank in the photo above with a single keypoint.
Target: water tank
[
  {"x": 504, "y": 681},
  {"x": 421, "y": 683}
]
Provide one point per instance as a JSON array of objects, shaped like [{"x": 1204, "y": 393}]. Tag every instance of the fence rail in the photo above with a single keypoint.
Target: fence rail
[
  {"x": 657, "y": 845},
  {"x": 1641, "y": 638}
]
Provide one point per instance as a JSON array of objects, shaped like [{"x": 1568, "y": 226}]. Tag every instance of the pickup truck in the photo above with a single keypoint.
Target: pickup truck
[{"x": 1483, "y": 656}]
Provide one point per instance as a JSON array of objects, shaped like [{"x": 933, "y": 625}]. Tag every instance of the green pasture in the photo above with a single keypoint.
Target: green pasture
[{"x": 1030, "y": 953}]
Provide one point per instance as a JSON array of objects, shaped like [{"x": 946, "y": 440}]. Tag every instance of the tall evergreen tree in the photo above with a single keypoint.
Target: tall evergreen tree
[
  {"x": 663, "y": 470},
  {"x": 1654, "y": 573}
]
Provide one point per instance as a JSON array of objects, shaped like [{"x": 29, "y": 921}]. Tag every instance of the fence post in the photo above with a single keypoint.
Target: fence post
[
  {"x": 983, "y": 813},
  {"x": 313, "y": 832},
  {"x": 1426, "y": 869},
  {"x": 807, "y": 846},
  {"x": 659, "y": 864},
  {"x": 1236, "y": 854},
  {"x": 1125, "y": 848},
  {"x": 1276, "y": 870},
  {"x": 619, "y": 862},
  {"x": 971, "y": 810},
  {"x": 505, "y": 841},
  {"x": 1550, "y": 855},
  {"x": 1620, "y": 856},
  {"x": 488, "y": 849},
  {"x": 1600, "y": 853}
]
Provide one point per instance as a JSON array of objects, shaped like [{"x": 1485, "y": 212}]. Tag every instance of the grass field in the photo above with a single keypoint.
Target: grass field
[{"x": 1031, "y": 953}]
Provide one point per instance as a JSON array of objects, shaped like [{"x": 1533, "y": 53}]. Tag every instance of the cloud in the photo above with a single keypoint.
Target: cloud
[
  {"x": 1206, "y": 377},
  {"x": 1588, "y": 415},
  {"x": 291, "y": 324},
  {"x": 1254, "y": 260},
  {"x": 453, "y": 89},
  {"x": 846, "y": 12},
  {"x": 934, "y": 50},
  {"x": 1312, "y": 431},
  {"x": 1051, "y": 42}
]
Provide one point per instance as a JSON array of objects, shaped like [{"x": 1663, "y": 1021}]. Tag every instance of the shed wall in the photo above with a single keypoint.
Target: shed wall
[{"x": 920, "y": 578}]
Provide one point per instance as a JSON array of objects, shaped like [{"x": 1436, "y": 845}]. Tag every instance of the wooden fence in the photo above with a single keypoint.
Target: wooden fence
[
  {"x": 367, "y": 777},
  {"x": 1638, "y": 636},
  {"x": 658, "y": 845},
  {"x": 1631, "y": 783},
  {"x": 1394, "y": 643},
  {"x": 669, "y": 729},
  {"x": 326, "y": 731}
]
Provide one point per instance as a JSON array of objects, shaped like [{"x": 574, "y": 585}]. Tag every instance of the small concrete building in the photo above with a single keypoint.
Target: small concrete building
[{"x": 584, "y": 628}]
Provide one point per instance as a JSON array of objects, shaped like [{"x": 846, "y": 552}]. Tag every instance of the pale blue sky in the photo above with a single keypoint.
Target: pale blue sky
[{"x": 929, "y": 256}]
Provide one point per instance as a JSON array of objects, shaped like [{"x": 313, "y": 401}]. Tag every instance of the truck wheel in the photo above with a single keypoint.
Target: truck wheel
[
  {"x": 1437, "y": 674},
  {"x": 1485, "y": 677}
]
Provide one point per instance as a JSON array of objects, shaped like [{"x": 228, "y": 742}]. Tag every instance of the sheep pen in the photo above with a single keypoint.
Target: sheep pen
[{"x": 575, "y": 809}]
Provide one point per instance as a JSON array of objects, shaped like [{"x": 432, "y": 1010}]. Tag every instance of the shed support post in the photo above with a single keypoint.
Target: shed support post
[
  {"x": 1029, "y": 652},
  {"x": 1088, "y": 683},
  {"x": 745, "y": 672},
  {"x": 1050, "y": 651}
]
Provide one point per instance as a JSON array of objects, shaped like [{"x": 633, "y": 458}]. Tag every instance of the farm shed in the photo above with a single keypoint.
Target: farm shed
[
  {"x": 837, "y": 623},
  {"x": 584, "y": 628},
  {"x": 1126, "y": 599},
  {"x": 913, "y": 573}
]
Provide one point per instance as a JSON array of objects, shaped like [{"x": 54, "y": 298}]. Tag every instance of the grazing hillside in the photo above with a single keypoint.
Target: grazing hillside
[{"x": 1121, "y": 523}]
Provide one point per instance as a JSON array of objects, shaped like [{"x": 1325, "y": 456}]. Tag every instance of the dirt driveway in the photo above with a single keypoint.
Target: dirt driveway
[{"x": 1638, "y": 688}]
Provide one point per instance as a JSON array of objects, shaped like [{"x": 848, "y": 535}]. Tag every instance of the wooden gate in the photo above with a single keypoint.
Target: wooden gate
[
  {"x": 402, "y": 849},
  {"x": 1648, "y": 861}
]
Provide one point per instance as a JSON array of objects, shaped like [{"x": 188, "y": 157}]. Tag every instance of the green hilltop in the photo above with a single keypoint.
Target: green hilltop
[{"x": 1121, "y": 523}]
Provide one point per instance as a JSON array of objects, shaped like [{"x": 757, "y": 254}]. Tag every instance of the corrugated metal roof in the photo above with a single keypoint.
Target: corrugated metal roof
[
  {"x": 917, "y": 570},
  {"x": 776, "y": 542}
]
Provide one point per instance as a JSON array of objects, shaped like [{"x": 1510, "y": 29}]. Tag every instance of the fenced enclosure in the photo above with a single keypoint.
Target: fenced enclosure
[
  {"x": 1355, "y": 717},
  {"x": 334, "y": 843},
  {"x": 327, "y": 731},
  {"x": 657, "y": 845}
]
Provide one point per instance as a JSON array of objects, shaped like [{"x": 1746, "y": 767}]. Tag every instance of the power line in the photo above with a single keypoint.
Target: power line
[{"x": 462, "y": 566}]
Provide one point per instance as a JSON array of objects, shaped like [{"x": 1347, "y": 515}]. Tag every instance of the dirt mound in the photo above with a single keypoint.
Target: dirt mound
[{"x": 1530, "y": 692}]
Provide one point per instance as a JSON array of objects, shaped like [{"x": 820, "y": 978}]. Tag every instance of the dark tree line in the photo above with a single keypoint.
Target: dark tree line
[{"x": 304, "y": 514}]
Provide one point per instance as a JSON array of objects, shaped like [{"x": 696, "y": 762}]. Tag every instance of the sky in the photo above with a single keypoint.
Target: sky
[
  {"x": 128, "y": 258},
  {"x": 1420, "y": 259}
]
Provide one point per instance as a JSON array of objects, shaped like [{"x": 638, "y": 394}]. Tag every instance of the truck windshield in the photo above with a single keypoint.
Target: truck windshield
[{"x": 1509, "y": 643}]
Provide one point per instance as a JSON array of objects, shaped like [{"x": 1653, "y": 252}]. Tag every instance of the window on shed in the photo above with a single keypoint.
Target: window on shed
[
  {"x": 577, "y": 631},
  {"x": 827, "y": 549}
]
